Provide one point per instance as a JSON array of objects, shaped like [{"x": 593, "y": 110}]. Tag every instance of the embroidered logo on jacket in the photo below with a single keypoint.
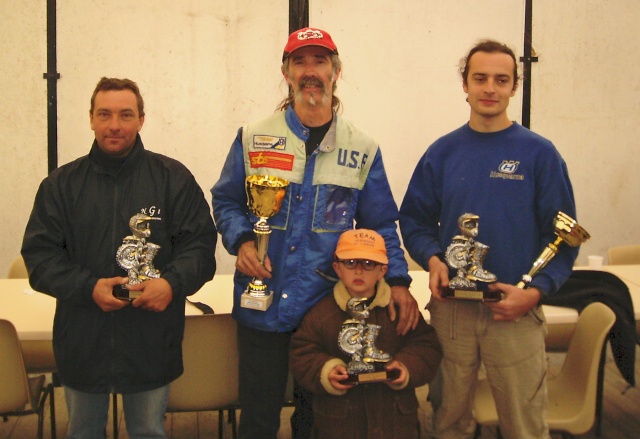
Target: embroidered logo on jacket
[
  {"x": 151, "y": 210},
  {"x": 269, "y": 142},
  {"x": 269, "y": 159},
  {"x": 507, "y": 170}
]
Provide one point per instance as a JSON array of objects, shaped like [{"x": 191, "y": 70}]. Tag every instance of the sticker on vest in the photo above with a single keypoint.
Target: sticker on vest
[
  {"x": 269, "y": 142},
  {"x": 268, "y": 159}
]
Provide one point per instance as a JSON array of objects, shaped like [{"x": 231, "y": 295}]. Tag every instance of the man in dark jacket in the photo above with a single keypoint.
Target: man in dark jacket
[{"x": 85, "y": 213}]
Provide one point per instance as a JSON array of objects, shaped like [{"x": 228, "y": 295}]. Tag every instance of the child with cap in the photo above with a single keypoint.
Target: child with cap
[{"x": 385, "y": 410}]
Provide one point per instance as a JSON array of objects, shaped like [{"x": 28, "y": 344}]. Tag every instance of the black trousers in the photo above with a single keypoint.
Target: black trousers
[{"x": 264, "y": 369}]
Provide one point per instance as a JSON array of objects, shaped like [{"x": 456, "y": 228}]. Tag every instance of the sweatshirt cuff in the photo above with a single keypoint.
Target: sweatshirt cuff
[
  {"x": 249, "y": 236},
  {"x": 399, "y": 282}
]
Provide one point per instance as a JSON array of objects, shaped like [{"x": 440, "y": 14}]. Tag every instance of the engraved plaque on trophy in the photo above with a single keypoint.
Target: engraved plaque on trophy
[
  {"x": 568, "y": 231},
  {"x": 136, "y": 256},
  {"x": 264, "y": 197},
  {"x": 466, "y": 255},
  {"x": 357, "y": 338}
]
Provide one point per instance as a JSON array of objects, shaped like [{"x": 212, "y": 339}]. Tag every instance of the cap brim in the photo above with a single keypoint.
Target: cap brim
[
  {"x": 286, "y": 55},
  {"x": 362, "y": 255}
]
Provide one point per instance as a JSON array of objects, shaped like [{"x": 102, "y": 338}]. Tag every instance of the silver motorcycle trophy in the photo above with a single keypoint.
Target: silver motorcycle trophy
[
  {"x": 136, "y": 256},
  {"x": 357, "y": 338},
  {"x": 567, "y": 230},
  {"x": 466, "y": 255},
  {"x": 265, "y": 195}
]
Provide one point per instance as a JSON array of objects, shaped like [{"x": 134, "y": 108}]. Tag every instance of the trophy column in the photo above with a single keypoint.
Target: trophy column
[{"x": 264, "y": 197}]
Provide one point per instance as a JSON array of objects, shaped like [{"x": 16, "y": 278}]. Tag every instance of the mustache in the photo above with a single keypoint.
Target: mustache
[{"x": 311, "y": 81}]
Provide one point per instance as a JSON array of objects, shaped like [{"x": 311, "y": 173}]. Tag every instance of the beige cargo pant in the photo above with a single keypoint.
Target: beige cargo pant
[{"x": 514, "y": 359}]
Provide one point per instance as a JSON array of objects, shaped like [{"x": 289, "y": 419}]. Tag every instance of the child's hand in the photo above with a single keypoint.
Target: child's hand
[
  {"x": 396, "y": 365},
  {"x": 338, "y": 374}
]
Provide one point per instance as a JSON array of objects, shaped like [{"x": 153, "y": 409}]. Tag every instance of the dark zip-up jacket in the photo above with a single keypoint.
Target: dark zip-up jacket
[{"x": 79, "y": 219}]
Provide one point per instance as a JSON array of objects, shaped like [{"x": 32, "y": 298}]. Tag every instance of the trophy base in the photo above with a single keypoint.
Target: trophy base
[
  {"x": 258, "y": 303},
  {"x": 474, "y": 295},
  {"x": 378, "y": 376},
  {"x": 121, "y": 292}
]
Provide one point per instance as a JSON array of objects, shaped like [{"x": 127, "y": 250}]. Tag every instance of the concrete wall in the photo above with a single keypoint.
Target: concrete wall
[
  {"x": 207, "y": 67},
  {"x": 23, "y": 118}
]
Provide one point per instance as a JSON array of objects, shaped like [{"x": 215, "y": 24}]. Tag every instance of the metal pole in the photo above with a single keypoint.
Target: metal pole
[
  {"x": 527, "y": 60},
  {"x": 298, "y": 14},
  {"x": 52, "y": 77}
]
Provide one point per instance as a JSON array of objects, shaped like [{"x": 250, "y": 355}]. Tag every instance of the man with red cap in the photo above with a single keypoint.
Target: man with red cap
[{"x": 337, "y": 182}]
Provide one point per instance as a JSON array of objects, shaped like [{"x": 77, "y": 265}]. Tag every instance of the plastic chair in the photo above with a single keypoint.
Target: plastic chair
[
  {"x": 20, "y": 394},
  {"x": 18, "y": 270},
  {"x": 574, "y": 392},
  {"x": 37, "y": 354},
  {"x": 210, "y": 378},
  {"x": 624, "y": 255}
]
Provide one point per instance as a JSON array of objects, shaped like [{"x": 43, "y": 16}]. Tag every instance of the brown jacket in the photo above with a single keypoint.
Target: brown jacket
[{"x": 367, "y": 411}]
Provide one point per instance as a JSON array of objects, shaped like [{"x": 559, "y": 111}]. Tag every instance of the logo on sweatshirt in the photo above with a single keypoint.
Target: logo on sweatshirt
[{"x": 507, "y": 171}]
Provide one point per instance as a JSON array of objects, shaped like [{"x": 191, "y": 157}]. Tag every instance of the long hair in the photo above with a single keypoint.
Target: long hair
[{"x": 336, "y": 104}]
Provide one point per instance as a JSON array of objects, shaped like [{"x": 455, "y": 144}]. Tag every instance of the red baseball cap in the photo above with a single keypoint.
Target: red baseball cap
[{"x": 309, "y": 36}]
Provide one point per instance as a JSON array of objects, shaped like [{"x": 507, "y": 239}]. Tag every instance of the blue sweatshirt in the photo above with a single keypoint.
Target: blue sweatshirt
[{"x": 514, "y": 179}]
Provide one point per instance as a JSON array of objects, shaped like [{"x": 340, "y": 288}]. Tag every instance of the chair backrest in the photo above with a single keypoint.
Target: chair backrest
[
  {"x": 18, "y": 270},
  {"x": 210, "y": 357},
  {"x": 14, "y": 392},
  {"x": 624, "y": 255},
  {"x": 576, "y": 386}
]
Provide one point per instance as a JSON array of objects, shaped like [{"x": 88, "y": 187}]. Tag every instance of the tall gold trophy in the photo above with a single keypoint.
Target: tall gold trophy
[
  {"x": 567, "y": 231},
  {"x": 264, "y": 197}
]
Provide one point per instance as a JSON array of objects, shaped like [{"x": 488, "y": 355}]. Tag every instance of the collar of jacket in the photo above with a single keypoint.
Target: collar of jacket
[
  {"x": 328, "y": 143},
  {"x": 112, "y": 165},
  {"x": 382, "y": 296}
]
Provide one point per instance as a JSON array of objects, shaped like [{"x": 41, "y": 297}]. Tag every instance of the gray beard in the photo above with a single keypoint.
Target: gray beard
[{"x": 312, "y": 99}]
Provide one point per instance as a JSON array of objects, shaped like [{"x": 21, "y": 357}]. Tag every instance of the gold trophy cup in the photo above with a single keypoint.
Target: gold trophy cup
[
  {"x": 568, "y": 231},
  {"x": 264, "y": 197}
]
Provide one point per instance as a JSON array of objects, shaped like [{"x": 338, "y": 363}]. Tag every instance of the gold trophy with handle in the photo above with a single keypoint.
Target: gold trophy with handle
[
  {"x": 265, "y": 194},
  {"x": 567, "y": 231}
]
